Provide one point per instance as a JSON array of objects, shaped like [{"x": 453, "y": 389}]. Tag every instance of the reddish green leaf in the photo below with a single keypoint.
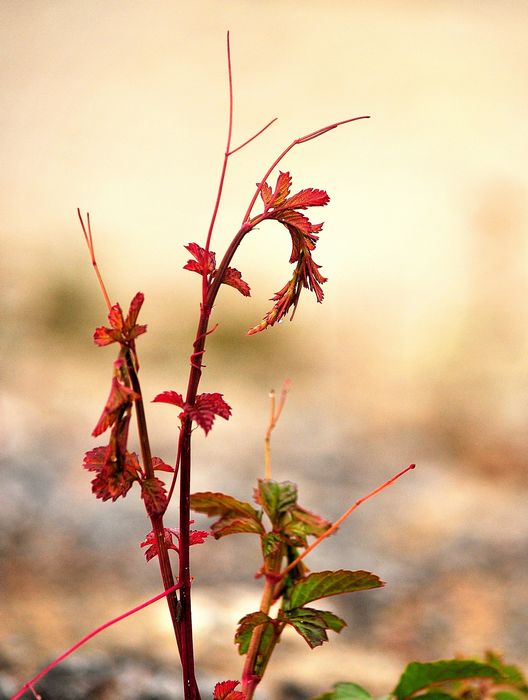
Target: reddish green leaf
[
  {"x": 214, "y": 503},
  {"x": 305, "y": 523},
  {"x": 236, "y": 516},
  {"x": 312, "y": 624},
  {"x": 235, "y": 525},
  {"x": 155, "y": 496},
  {"x": 246, "y": 626},
  {"x": 271, "y": 543},
  {"x": 327, "y": 583}
]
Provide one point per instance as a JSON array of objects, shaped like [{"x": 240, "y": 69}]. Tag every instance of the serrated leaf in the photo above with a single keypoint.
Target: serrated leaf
[
  {"x": 155, "y": 496},
  {"x": 246, "y": 626},
  {"x": 418, "y": 676},
  {"x": 171, "y": 397},
  {"x": 436, "y": 695},
  {"x": 226, "y": 691},
  {"x": 276, "y": 497},
  {"x": 309, "y": 523},
  {"x": 236, "y": 525},
  {"x": 233, "y": 278},
  {"x": 327, "y": 583},
  {"x": 215, "y": 503},
  {"x": 235, "y": 516},
  {"x": 312, "y": 624},
  {"x": 206, "y": 407}
]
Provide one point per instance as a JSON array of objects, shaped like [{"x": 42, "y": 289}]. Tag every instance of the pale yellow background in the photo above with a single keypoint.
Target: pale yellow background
[{"x": 418, "y": 353}]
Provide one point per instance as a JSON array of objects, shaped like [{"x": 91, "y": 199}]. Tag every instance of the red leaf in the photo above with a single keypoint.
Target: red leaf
[
  {"x": 233, "y": 278},
  {"x": 204, "y": 410},
  {"x": 105, "y": 336},
  {"x": 265, "y": 193},
  {"x": 114, "y": 476},
  {"x": 202, "y": 263},
  {"x": 282, "y": 190},
  {"x": 155, "y": 496},
  {"x": 307, "y": 198},
  {"x": 120, "y": 397},
  {"x": 206, "y": 407},
  {"x": 171, "y": 397},
  {"x": 121, "y": 330},
  {"x": 304, "y": 238},
  {"x": 133, "y": 311},
  {"x": 225, "y": 691},
  {"x": 161, "y": 466},
  {"x": 196, "y": 537}
]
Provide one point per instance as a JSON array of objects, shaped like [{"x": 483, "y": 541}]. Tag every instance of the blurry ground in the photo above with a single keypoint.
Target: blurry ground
[{"x": 419, "y": 353}]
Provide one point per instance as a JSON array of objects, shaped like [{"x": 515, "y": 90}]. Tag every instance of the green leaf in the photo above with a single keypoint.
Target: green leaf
[
  {"x": 312, "y": 624},
  {"x": 326, "y": 583},
  {"x": 276, "y": 497},
  {"x": 418, "y": 676},
  {"x": 437, "y": 695},
  {"x": 511, "y": 674},
  {"x": 246, "y": 626},
  {"x": 236, "y": 516},
  {"x": 346, "y": 691},
  {"x": 506, "y": 695}
]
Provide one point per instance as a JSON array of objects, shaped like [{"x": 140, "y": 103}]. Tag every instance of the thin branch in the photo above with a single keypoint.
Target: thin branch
[
  {"x": 302, "y": 139},
  {"x": 224, "y": 167},
  {"x": 93, "y": 633},
  {"x": 238, "y": 148},
  {"x": 341, "y": 519},
  {"x": 275, "y": 413},
  {"x": 87, "y": 230}
]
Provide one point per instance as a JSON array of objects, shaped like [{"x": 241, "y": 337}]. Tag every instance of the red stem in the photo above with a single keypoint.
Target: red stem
[{"x": 93, "y": 633}]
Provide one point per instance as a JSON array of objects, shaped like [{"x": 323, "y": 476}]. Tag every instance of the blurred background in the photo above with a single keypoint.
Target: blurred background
[{"x": 418, "y": 354}]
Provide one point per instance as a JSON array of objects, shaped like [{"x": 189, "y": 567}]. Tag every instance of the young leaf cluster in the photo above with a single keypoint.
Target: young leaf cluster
[{"x": 283, "y": 527}]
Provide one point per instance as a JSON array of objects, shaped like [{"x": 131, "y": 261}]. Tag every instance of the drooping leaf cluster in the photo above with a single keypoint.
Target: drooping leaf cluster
[
  {"x": 287, "y": 532},
  {"x": 278, "y": 206}
]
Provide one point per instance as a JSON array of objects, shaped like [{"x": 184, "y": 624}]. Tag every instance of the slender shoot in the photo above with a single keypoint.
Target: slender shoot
[{"x": 342, "y": 518}]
